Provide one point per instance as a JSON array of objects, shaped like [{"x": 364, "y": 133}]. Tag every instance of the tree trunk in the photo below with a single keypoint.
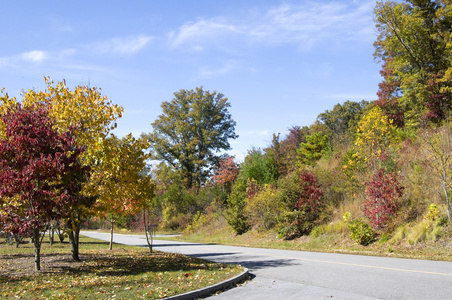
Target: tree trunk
[
  {"x": 17, "y": 239},
  {"x": 74, "y": 238},
  {"x": 37, "y": 244},
  {"x": 111, "y": 235},
  {"x": 146, "y": 231},
  {"x": 60, "y": 234},
  {"x": 51, "y": 233}
]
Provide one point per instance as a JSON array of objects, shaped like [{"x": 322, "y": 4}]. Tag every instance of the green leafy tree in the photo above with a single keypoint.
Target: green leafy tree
[
  {"x": 260, "y": 167},
  {"x": 235, "y": 214},
  {"x": 315, "y": 147},
  {"x": 413, "y": 41},
  {"x": 193, "y": 128},
  {"x": 343, "y": 119}
]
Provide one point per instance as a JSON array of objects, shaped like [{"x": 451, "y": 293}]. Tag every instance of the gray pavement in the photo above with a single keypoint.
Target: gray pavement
[{"x": 310, "y": 275}]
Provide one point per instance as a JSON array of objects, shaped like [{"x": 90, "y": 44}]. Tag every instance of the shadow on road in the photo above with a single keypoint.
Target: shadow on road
[
  {"x": 182, "y": 244},
  {"x": 270, "y": 263},
  {"x": 248, "y": 262},
  {"x": 203, "y": 255}
]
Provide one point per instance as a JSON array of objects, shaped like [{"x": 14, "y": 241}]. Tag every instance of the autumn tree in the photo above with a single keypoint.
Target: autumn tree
[
  {"x": 92, "y": 117},
  {"x": 289, "y": 146},
  {"x": 413, "y": 41},
  {"x": 376, "y": 138},
  {"x": 193, "y": 128},
  {"x": 383, "y": 192},
  {"x": 84, "y": 108},
  {"x": 122, "y": 186},
  {"x": 226, "y": 172},
  {"x": 40, "y": 171},
  {"x": 275, "y": 152}
]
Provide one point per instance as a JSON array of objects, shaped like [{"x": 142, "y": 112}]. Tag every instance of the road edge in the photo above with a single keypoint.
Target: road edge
[{"x": 209, "y": 290}]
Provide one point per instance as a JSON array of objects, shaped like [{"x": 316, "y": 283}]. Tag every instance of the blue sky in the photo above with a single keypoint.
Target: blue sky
[{"x": 280, "y": 63}]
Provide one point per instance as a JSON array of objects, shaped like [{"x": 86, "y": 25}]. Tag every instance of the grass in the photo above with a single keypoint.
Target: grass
[{"x": 126, "y": 272}]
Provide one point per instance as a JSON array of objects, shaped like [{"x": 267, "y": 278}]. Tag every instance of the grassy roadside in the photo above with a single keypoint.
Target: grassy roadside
[
  {"x": 333, "y": 242},
  {"x": 126, "y": 272}
]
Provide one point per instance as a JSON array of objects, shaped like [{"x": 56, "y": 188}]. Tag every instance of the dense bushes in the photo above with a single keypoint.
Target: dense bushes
[{"x": 303, "y": 201}]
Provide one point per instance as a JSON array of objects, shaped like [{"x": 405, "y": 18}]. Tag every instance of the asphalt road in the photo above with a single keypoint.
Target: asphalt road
[{"x": 284, "y": 274}]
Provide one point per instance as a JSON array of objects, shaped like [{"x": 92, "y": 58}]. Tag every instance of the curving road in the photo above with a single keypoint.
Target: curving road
[{"x": 310, "y": 275}]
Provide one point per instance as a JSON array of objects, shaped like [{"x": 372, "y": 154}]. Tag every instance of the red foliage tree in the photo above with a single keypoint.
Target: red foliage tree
[
  {"x": 383, "y": 190},
  {"x": 37, "y": 169},
  {"x": 389, "y": 93},
  {"x": 226, "y": 173},
  {"x": 309, "y": 200},
  {"x": 289, "y": 146}
]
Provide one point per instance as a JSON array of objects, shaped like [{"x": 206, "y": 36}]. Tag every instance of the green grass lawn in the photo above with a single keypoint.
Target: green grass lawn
[{"x": 126, "y": 272}]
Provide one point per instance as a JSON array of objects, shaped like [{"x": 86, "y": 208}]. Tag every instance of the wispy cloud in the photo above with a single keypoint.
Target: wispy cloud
[
  {"x": 196, "y": 33},
  {"x": 29, "y": 57},
  {"x": 55, "y": 61},
  {"x": 127, "y": 45},
  {"x": 306, "y": 25},
  {"x": 35, "y": 56}
]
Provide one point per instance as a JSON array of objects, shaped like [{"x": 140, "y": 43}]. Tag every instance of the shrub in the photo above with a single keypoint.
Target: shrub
[
  {"x": 303, "y": 200},
  {"x": 235, "y": 215},
  {"x": 383, "y": 191},
  {"x": 432, "y": 213},
  {"x": 318, "y": 231},
  {"x": 264, "y": 208},
  {"x": 361, "y": 232}
]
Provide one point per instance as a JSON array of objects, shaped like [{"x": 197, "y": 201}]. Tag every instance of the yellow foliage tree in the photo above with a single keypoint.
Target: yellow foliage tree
[
  {"x": 6, "y": 103},
  {"x": 375, "y": 138},
  {"x": 84, "y": 108},
  {"x": 121, "y": 180}
]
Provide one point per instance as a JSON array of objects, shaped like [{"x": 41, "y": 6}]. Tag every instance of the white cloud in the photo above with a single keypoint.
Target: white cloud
[
  {"x": 306, "y": 25},
  {"x": 128, "y": 45},
  {"x": 196, "y": 33},
  {"x": 35, "y": 56}
]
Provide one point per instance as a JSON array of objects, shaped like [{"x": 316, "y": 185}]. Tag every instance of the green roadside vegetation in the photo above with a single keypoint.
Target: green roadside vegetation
[
  {"x": 125, "y": 272},
  {"x": 412, "y": 242}
]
